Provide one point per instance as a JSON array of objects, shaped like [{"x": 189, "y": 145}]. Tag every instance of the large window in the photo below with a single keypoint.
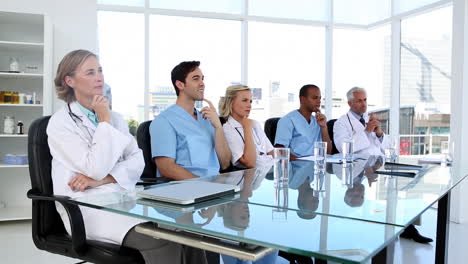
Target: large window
[
  {"x": 402, "y": 6},
  {"x": 282, "y": 58},
  {"x": 215, "y": 43},
  {"x": 220, "y": 6},
  {"x": 122, "y": 56},
  {"x": 426, "y": 80},
  {"x": 360, "y": 59},
  {"x": 276, "y": 47},
  {"x": 296, "y": 9},
  {"x": 361, "y": 12}
]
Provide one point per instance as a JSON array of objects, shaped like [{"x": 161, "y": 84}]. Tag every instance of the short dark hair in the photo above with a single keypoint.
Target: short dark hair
[
  {"x": 305, "y": 89},
  {"x": 180, "y": 72}
]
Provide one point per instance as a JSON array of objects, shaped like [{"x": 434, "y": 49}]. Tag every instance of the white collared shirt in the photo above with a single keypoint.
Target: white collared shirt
[{"x": 234, "y": 133}]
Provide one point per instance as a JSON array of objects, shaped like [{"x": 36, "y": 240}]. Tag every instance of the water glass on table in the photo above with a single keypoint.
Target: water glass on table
[
  {"x": 320, "y": 154},
  {"x": 347, "y": 150},
  {"x": 281, "y": 166}
]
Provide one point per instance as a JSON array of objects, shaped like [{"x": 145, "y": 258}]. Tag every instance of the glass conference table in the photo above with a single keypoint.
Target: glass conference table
[{"x": 346, "y": 213}]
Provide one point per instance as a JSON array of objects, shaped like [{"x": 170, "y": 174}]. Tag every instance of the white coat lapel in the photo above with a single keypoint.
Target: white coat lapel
[{"x": 85, "y": 127}]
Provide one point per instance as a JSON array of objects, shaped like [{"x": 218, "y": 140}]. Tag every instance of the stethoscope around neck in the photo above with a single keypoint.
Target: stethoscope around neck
[
  {"x": 74, "y": 117},
  {"x": 350, "y": 123},
  {"x": 349, "y": 120},
  {"x": 256, "y": 140}
]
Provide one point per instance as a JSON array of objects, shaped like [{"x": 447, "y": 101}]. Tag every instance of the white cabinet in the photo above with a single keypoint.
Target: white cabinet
[{"x": 28, "y": 39}]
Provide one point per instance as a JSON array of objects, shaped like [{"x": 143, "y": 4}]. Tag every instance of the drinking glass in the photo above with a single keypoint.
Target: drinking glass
[
  {"x": 281, "y": 166},
  {"x": 320, "y": 154},
  {"x": 347, "y": 151}
]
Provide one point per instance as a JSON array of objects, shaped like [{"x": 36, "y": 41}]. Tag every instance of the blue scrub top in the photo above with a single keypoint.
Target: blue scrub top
[
  {"x": 177, "y": 135},
  {"x": 296, "y": 133}
]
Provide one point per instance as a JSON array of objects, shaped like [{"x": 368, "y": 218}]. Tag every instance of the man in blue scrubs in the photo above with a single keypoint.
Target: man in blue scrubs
[
  {"x": 186, "y": 143},
  {"x": 299, "y": 129}
]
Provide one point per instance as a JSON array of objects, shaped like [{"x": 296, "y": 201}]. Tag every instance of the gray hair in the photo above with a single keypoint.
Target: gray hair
[{"x": 350, "y": 93}]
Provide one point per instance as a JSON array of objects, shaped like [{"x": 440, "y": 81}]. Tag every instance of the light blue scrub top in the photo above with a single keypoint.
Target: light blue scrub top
[
  {"x": 295, "y": 133},
  {"x": 176, "y": 134}
]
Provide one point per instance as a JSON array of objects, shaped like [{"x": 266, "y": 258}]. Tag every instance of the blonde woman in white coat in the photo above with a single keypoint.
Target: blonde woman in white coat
[
  {"x": 249, "y": 145},
  {"x": 93, "y": 153}
]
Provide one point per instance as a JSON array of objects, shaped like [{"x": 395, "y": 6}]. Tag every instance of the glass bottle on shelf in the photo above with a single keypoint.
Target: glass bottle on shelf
[
  {"x": 9, "y": 125},
  {"x": 7, "y": 97},
  {"x": 2, "y": 96},
  {"x": 15, "y": 98}
]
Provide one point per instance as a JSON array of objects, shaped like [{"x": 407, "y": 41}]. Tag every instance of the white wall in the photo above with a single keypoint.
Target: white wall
[{"x": 74, "y": 25}]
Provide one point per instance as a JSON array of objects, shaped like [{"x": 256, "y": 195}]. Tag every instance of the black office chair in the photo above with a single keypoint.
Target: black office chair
[
  {"x": 144, "y": 143},
  {"x": 270, "y": 128},
  {"x": 48, "y": 231},
  {"x": 330, "y": 124}
]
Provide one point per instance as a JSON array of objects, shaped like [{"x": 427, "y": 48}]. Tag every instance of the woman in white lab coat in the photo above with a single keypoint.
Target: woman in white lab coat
[
  {"x": 249, "y": 145},
  {"x": 94, "y": 153}
]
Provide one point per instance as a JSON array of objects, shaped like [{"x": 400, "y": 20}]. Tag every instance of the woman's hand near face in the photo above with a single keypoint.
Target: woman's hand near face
[
  {"x": 247, "y": 123},
  {"x": 100, "y": 106}
]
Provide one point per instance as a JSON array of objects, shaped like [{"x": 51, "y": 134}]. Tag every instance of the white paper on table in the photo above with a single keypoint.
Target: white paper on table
[
  {"x": 427, "y": 160},
  {"x": 330, "y": 159}
]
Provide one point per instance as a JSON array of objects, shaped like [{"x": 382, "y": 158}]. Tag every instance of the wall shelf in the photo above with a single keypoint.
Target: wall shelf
[
  {"x": 17, "y": 46},
  {"x": 12, "y": 136},
  {"x": 20, "y": 75},
  {"x": 23, "y": 105},
  {"x": 2, "y": 165}
]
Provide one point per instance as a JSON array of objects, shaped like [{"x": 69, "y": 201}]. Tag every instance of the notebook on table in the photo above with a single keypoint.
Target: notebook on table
[{"x": 188, "y": 192}]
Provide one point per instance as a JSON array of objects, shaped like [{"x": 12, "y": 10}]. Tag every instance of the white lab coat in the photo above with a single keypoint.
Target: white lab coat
[
  {"x": 96, "y": 152},
  {"x": 234, "y": 134},
  {"x": 365, "y": 144}
]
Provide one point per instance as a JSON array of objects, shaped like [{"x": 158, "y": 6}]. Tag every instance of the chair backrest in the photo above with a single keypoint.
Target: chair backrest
[
  {"x": 45, "y": 218},
  {"x": 270, "y": 128},
  {"x": 330, "y": 124},
  {"x": 144, "y": 143}
]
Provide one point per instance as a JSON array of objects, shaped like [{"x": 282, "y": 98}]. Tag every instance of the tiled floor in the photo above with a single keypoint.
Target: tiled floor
[{"x": 16, "y": 245}]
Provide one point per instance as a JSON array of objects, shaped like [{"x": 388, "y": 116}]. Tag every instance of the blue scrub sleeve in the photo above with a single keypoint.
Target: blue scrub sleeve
[
  {"x": 163, "y": 138},
  {"x": 284, "y": 132}
]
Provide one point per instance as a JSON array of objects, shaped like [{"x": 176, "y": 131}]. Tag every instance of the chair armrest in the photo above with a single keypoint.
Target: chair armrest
[{"x": 78, "y": 232}]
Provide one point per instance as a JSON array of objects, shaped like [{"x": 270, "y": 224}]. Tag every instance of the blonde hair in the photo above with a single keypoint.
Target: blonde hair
[
  {"x": 67, "y": 67},
  {"x": 225, "y": 102}
]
